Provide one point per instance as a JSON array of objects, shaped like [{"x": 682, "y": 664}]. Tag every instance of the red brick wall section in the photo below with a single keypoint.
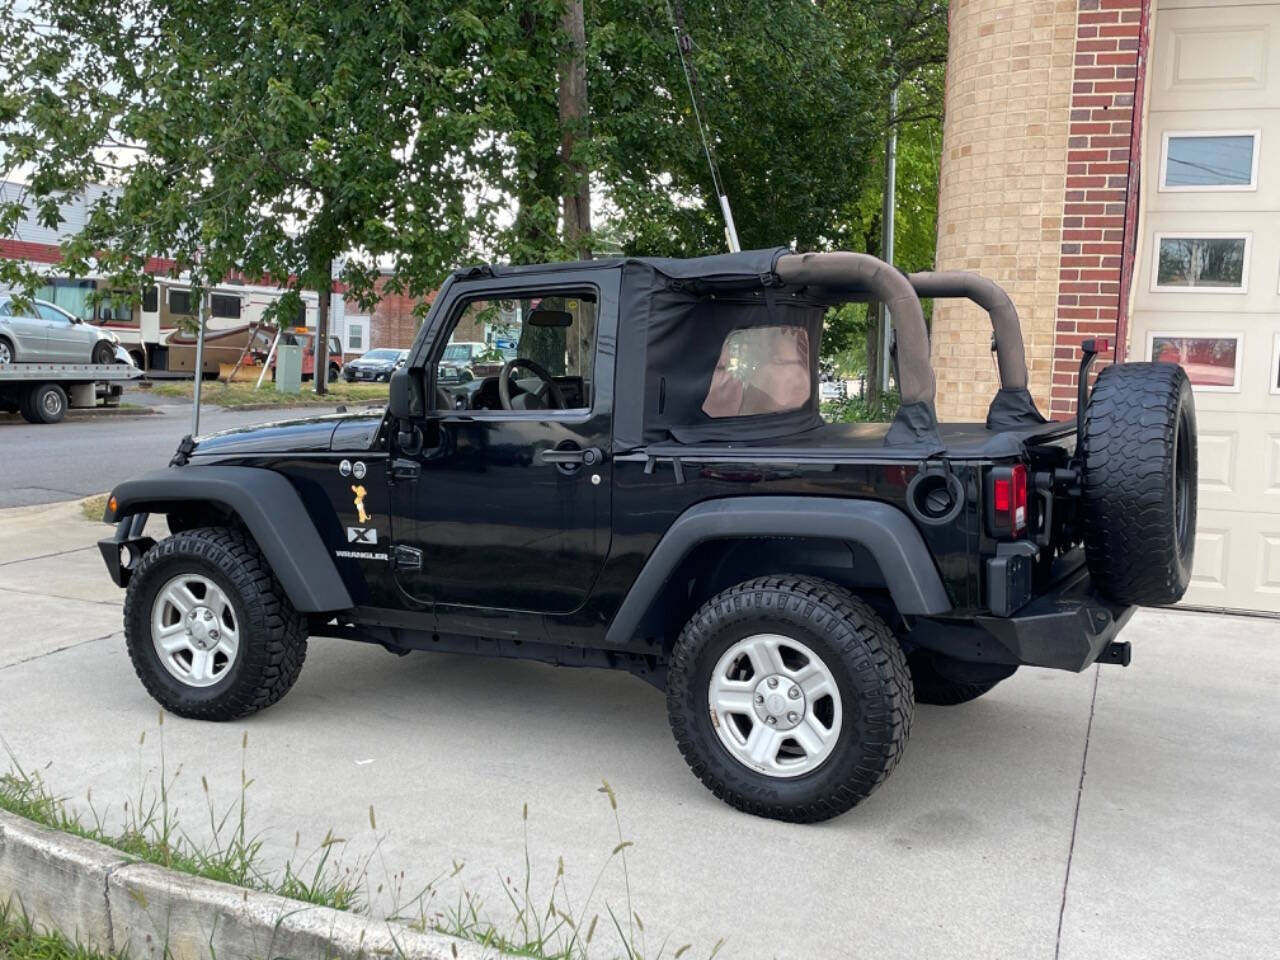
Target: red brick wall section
[
  {"x": 1108, "y": 33},
  {"x": 392, "y": 322}
]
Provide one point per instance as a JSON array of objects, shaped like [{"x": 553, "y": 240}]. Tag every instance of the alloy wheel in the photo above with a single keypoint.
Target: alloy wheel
[
  {"x": 194, "y": 630},
  {"x": 775, "y": 705}
]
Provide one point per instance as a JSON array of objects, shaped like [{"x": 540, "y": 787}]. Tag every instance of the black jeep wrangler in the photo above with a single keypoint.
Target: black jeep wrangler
[{"x": 648, "y": 485}]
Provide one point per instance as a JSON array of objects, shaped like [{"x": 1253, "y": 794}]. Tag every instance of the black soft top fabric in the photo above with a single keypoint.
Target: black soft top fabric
[{"x": 674, "y": 318}]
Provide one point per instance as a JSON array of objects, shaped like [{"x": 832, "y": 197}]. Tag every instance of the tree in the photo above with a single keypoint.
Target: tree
[
  {"x": 267, "y": 139},
  {"x": 271, "y": 139}
]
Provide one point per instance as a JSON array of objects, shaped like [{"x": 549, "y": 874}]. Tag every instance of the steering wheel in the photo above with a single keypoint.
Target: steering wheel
[{"x": 549, "y": 388}]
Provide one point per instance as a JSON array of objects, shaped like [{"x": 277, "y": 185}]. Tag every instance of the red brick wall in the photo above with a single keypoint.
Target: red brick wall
[
  {"x": 1103, "y": 135},
  {"x": 392, "y": 322}
]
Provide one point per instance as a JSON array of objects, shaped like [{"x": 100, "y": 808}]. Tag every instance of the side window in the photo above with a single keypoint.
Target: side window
[
  {"x": 51, "y": 315},
  {"x": 555, "y": 331}
]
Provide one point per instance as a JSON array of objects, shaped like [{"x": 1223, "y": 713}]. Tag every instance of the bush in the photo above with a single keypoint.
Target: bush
[{"x": 859, "y": 410}]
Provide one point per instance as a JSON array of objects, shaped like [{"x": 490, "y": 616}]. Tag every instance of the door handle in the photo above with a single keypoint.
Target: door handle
[{"x": 573, "y": 457}]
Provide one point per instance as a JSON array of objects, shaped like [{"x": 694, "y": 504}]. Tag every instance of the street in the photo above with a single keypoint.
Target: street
[
  {"x": 1117, "y": 813},
  {"x": 83, "y": 457}
]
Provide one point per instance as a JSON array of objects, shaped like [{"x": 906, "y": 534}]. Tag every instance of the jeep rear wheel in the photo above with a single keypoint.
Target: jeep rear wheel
[
  {"x": 942, "y": 681},
  {"x": 1140, "y": 482},
  {"x": 209, "y": 629},
  {"x": 789, "y": 698}
]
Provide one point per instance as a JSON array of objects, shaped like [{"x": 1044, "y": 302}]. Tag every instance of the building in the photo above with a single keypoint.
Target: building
[
  {"x": 393, "y": 322},
  {"x": 164, "y": 310},
  {"x": 1116, "y": 165}
]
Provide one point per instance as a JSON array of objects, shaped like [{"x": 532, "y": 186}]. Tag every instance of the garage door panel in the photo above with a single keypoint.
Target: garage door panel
[
  {"x": 1209, "y": 571},
  {"x": 1269, "y": 563},
  {"x": 1262, "y": 279},
  {"x": 1212, "y": 56},
  {"x": 1217, "y": 463}
]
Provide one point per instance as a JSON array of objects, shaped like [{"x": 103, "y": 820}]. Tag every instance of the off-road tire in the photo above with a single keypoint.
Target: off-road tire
[
  {"x": 871, "y": 674},
  {"x": 103, "y": 353},
  {"x": 934, "y": 687},
  {"x": 274, "y": 644},
  {"x": 1140, "y": 482},
  {"x": 44, "y": 403}
]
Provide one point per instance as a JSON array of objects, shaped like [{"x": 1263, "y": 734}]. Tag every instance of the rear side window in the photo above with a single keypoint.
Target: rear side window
[{"x": 761, "y": 370}]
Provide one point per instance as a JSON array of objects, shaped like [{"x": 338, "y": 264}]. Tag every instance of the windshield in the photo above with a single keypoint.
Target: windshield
[
  {"x": 457, "y": 351},
  {"x": 382, "y": 355}
]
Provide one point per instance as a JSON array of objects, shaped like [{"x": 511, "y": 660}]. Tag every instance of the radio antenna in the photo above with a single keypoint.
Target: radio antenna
[{"x": 684, "y": 47}]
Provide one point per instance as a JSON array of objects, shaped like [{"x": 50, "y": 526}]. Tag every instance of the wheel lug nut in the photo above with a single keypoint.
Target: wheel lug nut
[
  {"x": 773, "y": 682},
  {"x": 792, "y": 717},
  {"x": 794, "y": 693},
  {"x": 771, "y": 720},
  {"x": 759, "y": 698}
]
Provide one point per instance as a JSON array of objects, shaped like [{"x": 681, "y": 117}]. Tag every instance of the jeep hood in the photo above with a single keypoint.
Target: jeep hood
[{"x": 342, "y": 432}]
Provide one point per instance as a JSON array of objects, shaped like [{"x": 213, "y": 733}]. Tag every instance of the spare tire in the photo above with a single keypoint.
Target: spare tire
[{"x": 1140, "y": 482}]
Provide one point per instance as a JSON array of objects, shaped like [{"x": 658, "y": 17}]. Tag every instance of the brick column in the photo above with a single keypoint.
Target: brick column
[
  {"x": 1103, "y": 138},
  {"x": 1004, "y": 158}
]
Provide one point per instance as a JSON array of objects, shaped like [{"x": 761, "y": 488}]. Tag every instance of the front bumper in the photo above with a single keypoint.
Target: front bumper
[
  {"x": 122, "y": 551},
  {"x": 1067, "y": 627}
]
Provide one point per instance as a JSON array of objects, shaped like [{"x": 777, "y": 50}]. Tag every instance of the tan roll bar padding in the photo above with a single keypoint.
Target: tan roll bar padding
[
  {"x": 863, "y": 272},
  {"x": 1010, "y": 355}
]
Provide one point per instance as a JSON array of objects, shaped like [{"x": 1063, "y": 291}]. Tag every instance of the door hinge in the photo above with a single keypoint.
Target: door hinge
[
  {"x": 406, "y": 558},
  {"x": 405, "y": 469}
]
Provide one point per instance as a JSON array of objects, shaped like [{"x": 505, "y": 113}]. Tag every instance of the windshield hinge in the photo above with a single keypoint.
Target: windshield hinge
[
  {"x": 402, "y": 469},
  {"x": 406, "y": 558}
]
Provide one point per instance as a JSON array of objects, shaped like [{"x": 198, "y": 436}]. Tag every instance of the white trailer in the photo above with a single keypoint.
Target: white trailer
[{"x": 42, "y": 392}]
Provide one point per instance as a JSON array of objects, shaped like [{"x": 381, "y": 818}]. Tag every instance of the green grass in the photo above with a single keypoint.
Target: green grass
[
  {"x": 20, "y": 939},
  {"x": 92, "y": 508},
  {"x": 559, "y": 928},
  {"x": 240, "y": 394},
  {"x": 858, "y": 410},
  {"x": 150, "y": 832}
]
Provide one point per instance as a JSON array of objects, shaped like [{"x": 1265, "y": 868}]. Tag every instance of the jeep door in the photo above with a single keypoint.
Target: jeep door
[{"x": 510, "y": 507}]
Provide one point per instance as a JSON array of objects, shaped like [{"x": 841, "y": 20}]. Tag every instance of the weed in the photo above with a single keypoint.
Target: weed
[{"x": 20, "y": 939}]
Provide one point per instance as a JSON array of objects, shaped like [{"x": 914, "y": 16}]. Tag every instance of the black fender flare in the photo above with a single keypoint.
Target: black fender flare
[
  {"x": 269, "y": 507},
  {"x": 888, "y": 533}
]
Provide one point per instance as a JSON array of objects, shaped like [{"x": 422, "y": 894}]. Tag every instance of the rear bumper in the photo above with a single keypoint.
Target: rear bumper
[{"x": 1068, "y": 628}]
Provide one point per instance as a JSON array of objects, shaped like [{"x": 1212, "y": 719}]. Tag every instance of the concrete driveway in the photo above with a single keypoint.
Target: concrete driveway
[{"x": 1118, "y": 813}]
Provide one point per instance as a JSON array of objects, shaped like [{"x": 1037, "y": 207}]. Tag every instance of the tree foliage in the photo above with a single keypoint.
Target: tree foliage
[{"x": 270, "y": 138}]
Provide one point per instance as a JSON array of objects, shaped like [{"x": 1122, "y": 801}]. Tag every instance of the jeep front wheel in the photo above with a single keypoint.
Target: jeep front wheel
[
  {"x": 209, "y": 629},
  {"x": 789, "y": 698}
]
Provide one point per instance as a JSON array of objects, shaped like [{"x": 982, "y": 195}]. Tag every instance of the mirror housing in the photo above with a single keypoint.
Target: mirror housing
[
  {"x": 550, "y": 318},
  {"x": 406, "y": 401}
]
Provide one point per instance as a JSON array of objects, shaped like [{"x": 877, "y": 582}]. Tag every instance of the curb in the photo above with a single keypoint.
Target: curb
[
  {"x": 89, "y": 413},
  {"x": 97, "y": 896}
]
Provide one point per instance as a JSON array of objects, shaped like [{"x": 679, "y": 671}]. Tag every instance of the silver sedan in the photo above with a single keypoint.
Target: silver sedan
[{"x": 46, "y": 333}]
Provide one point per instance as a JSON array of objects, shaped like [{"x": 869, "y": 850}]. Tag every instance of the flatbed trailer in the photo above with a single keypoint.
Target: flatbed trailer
[{"x": 42, "y": 392}]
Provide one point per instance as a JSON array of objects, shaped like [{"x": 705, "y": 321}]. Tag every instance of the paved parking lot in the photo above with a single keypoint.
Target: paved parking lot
[
  {"x": 1117, "y": 813},
  {"x": 85, "y": 456}
]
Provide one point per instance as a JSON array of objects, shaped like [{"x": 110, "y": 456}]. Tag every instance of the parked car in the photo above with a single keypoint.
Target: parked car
[
  {"x": 44, "y": 333},
  {"x": 458, "y": 360},
  {"x": 661, "y": 496},
  {"x": 376, "y": 365}
]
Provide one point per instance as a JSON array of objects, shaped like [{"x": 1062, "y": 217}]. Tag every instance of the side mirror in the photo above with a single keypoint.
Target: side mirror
[{"x": 405, "y": 402}]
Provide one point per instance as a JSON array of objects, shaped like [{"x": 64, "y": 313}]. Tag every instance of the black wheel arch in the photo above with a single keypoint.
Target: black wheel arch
[
  {"x": 261, "y": 502},
  {"x": 866, "y": 546}
]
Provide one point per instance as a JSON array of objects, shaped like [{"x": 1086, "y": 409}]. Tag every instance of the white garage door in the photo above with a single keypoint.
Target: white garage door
[{"x": 1208, "y": 283}]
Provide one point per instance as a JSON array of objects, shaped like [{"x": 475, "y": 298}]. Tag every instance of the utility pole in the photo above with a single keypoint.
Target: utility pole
[
  {"x": 573, "y": 114},
  {"x": 321, "y": 375},
  {"x": 886, "y": 241},
  {"x": 205, "y": 306}
]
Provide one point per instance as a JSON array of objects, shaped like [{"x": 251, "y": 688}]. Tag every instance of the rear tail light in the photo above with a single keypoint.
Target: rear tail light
[{"x": 1007, "y": 501}]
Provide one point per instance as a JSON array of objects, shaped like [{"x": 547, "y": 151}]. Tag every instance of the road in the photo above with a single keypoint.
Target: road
[
  {"x": 83, "y": 457},
  {"x": 1127, "y": 813}
]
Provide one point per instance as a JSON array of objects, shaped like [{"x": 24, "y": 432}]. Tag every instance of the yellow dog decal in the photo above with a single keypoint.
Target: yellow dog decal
[{"x": 360, "y": 493}]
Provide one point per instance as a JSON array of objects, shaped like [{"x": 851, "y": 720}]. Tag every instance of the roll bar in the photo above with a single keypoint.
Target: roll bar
[{"x": 917, "y": 420}]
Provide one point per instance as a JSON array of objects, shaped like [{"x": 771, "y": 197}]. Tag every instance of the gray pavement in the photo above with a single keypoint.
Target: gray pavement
[
  {"x": 85, "y": 457},
  {"x": 1118, "y": 813}
]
